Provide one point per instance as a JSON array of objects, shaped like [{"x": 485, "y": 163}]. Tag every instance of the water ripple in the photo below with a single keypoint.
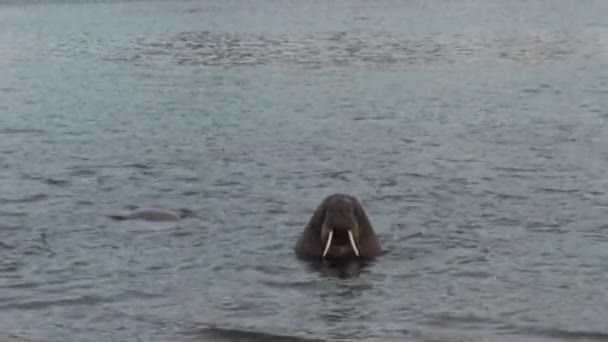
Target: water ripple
[
  {"x": 556, "y": 333},
  {"x": 26, "y": 199},
  {"x": 11, "y": 131},
  {"x": 352, "y": 48},
  {"x": 237, "y": 335}
]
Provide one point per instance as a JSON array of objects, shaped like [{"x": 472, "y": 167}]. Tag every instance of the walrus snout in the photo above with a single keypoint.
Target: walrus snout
[
  {"x": 339, "y": 235},
  {"x": 340, "y": 240}
]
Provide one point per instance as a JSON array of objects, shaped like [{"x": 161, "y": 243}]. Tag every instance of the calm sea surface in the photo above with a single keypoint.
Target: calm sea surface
[{"x": 480, "y": 126}]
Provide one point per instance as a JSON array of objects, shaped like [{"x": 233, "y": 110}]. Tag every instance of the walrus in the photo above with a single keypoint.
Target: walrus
[
  {"x": 338, "y": 229},
  {"x": 148, "y": 214}
]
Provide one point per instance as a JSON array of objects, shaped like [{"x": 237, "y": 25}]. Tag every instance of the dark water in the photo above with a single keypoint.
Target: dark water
[{"x": 480, "y": 125}]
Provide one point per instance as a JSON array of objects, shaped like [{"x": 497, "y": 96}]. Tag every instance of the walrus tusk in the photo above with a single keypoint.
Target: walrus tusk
[
  {"x": 328, "y": 243},
  {"x": 352, "y": 242}
]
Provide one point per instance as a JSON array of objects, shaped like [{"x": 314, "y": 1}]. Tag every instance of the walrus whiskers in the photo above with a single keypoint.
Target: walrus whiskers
[
  {"x": 328, "y": 244},
  {"x": 352, "y": 242}
]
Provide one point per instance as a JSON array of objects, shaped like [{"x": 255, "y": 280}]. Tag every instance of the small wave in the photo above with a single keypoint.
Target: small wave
[
  {"x": 8, "y": 266},
  {"x": 337, "y": 175},
  {"x": 187, "y": 179},
  {"x": 596, "y": 91},
  {"x": 43, "y": 304},
  {"x": 453, "y": 320},
  {"x": 89, "y": 170},
  {"x": 57, "y": 182},
  {"x": 532, "y": 90},
  {"x": 41, "y": 248},
  {"x": 513, "y": 169},
  {"x": 192, "y": 193},
  {"x": 276, "y": 210},
  {"x": 8, "y": 151},
  {"x": 418, "y": 175},
  {"x": 472, "y": 274},
  {"x": 4, "y": 337},
  {"x": 84, "y": 203},
  {"x": 598, "y": 236},
  {"x": 389, "y": 198},
  {"x": 138, "y": 166},
  {"x": 237, "y": 335},
  {"x": 373, "y": 118},
  {"x": 408, "y": 237},
  {"x": 82, "y": 172},
  {"x": 28, "y": 199},
  {"x": 389, "y": 183},
  {"x": 6, "y": 246},
  {"x": 226, "y": 183},
  {"x": 556, "y": 190},
  {"x": 505, "y": 222},
  {"x": 12, "y": 214},
  {"x": 288, "y": 284},
  {"x": 20, "y": 131},
  {"x": 562, "y": 334},
  {"x": 49, "y": 181}
]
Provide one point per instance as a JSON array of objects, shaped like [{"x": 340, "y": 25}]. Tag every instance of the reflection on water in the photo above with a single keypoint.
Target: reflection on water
[{"x": 340, "y": 270}]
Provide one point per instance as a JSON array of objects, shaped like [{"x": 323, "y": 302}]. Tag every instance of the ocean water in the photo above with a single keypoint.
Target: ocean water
[{"x": 474, "y": 132}]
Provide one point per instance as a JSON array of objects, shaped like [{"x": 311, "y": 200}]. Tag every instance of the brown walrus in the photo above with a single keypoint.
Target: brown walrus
[{"x": 338, "y": 229}]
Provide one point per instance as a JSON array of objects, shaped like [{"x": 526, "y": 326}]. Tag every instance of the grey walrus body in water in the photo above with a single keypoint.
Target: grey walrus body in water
[
  {"x": 148, "y": 214},
  {"x": 338, "y": 229}
]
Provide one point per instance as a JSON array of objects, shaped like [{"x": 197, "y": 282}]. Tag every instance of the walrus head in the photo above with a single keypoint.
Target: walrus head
[{"x": 338, "y": 229}]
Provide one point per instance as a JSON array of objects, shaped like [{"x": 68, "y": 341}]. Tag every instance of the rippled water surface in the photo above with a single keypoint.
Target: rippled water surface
[{"x": 478, "y": 127}]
